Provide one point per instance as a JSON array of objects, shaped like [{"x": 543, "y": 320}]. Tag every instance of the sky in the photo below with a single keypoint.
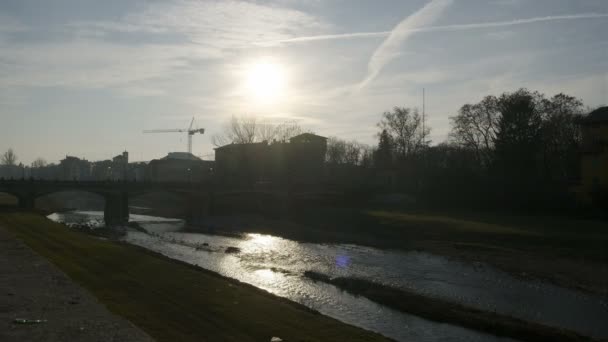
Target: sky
[{"x": 86, "y": 77}]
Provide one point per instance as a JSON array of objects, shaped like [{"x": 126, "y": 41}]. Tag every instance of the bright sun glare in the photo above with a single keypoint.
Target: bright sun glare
[{"x": 265, "y": 81}]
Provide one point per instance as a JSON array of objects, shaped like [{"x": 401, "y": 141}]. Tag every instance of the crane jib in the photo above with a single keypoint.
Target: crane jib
[{"x": 189, "y": 131}]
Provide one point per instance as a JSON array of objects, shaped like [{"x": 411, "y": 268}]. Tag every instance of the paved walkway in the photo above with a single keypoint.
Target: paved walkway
[{"x": 33, "y": 288}]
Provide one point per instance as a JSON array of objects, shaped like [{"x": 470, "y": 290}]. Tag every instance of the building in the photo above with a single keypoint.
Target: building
[
  {"x": 115, "y": 169},
  {"x": 299, "y": 161},
  {"x": 179, "y": 167},
  {"x": 594, "y": 150},
  {"x": 102, "y": 170},
  {"x": 49, "y": 172},
  {"x": 120, "y": 166},
  {"x": 137, "y": 171},
  {"x": 242, "y": 163},
  {"x": 73, "y": 168},
  {"x": 12, "y": 171}
]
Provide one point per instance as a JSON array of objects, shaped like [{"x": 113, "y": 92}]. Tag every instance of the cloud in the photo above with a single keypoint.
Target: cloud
[
  {"x": 457, "y": 27},
  {"x": 220, "y": 24},
  {"x": 162, "y": 41},
  {"x": 508, "y": 3},
  {"x": 9, "y": 24},
  {"x": 389, "y": 48},
  {"x": 353, "y": 35}
]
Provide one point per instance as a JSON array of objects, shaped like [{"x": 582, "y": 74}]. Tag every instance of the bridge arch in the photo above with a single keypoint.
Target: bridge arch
[
  {"x": 8, "y": 199},
  {"x": 266, "y": 203},
  {"x": 166, "y": 203},
  {"x": 77, "y": 199},
  {"x": 197, "y": 196}
]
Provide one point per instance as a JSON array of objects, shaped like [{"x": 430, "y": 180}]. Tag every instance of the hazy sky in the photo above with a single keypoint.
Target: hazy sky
[{"x": 86, "y": 77}]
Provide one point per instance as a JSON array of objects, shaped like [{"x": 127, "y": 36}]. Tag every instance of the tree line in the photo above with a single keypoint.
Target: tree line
[
  {"x": 519, "y": 149},
  {"x": 9, "y": 158}
]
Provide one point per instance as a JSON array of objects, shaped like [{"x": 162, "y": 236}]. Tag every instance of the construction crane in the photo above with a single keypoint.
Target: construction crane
[{"x": 189, "y": 131}]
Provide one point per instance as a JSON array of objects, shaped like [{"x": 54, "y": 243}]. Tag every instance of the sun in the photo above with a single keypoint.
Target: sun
[{"x": 265, "y": 81}]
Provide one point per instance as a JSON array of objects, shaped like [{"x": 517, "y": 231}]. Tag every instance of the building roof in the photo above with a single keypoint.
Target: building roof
[
  {"x": 298, "y": 138},
  {"x": 597, "y": 116},
  {"x": 233, "y": 145},
  {"x": 180, "y": 156},
  {"x": 72, "y": 158},
  {"x": 307, "y": 136}
]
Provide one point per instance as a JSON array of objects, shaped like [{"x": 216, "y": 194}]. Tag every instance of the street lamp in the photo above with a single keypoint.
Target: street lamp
[
  {"x": 109, "y": 172},
  {"x": 189, "y": 175}
]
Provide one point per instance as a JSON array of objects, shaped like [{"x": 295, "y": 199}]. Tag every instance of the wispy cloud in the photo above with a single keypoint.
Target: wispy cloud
[
  {"x": 509, "y": 3},
  {"x": 219, "y": 24},
  {"x": 389, "y": 48},
  {"x": 87, "y": 55},
  {"x": 456, "y": 27}
]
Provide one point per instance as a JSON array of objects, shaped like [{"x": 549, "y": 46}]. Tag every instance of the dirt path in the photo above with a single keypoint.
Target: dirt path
[{"x": 33, "y": 288}]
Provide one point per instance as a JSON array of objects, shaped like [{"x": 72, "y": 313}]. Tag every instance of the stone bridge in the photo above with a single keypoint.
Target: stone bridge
[
  {"x": 115, "y": 193},
  {"x": 200, "y": 196}
]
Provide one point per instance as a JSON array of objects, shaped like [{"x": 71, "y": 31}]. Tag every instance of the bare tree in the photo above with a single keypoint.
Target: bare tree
[
  {"x": 475, "y": 127},
  {"x": 38, "y": 163},
  {"x": 288, "y": 130},
  {"x": 367, "y": 156},
  {"x": 383, "y": 155},
  {"x": 246, "y": 130},
  {"x": 9, "y": 158},
  {"x": 240, "y": 130},
  {"x": 404, "y": 126},
  {"x": 352, "y": 153},
  {"x": 519, "y": 137},
  {"x": 336, "y": 149},
  {"x": 265, "y": 131},
  {"x": 343, "y": 152},
  {"x": 561, "y": 135}
]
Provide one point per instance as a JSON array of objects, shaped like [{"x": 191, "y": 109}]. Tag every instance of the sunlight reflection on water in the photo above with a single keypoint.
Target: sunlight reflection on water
[{"x": 276, "y": 265}]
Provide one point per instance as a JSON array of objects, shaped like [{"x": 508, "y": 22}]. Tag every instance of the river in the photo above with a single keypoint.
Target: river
[{"x": 277, "y": 266}]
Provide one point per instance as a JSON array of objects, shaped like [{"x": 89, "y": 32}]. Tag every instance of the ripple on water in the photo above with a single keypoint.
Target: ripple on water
[{"x": 276, "y": 265}]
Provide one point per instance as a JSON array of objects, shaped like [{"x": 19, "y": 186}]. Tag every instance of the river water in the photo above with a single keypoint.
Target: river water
[{"x": 277, "y": 265}]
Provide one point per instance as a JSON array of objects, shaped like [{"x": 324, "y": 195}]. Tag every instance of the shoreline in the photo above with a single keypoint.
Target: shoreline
[
  {"x": 427, "y": 307},
  {"x": 172, "y": 302},
  {"x": 569, "y": 271}
]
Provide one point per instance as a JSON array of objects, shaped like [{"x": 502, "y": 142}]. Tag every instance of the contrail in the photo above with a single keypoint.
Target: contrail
[
  {"x": 389, "y": 48},
  {"x": 456, "y": 27}
]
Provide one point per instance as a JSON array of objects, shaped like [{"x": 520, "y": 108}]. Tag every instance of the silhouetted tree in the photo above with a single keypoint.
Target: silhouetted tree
[
  {"x": 9, "y": 158},
  {"x": 343, "y": 152},
  {"x": 336, "y": 150},
  {"x": 404, "y": 126},
  {"x": 246, "y": 130},
  {"x": 383, "y": 156},
  {"x": 288, "y": 130},
  {"x": 518, "y": 143},
  {"x": 475, "y": 128},
  {"x": 38, "y": 163},
  {"x": 518, "y": 137},
  {"x": 452, "y": 178},
  {"x": 367, "y": 156},
  {"x": 561, "y": 136}
]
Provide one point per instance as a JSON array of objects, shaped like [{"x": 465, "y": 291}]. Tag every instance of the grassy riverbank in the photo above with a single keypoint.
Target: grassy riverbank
[
  {"x": 569, "y": 252},
  {"x": 173, "y": 301}
]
